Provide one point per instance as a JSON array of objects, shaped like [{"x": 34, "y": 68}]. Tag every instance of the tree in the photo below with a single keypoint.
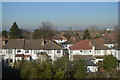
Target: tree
[
  {"x": 60, "y": 67},
  {"x": 59, "y": 74},
  {"x": 29, "y": 70},
  {"x": 109, "y": 62},
  {"x": 15, "y": 32},
  {"x": 86, "y": 34},
  {"x": 46, "y": 70},
  {"x": 26, "y": 34},
  {"x": 80, "y": 69},
  {"x": 4, "y": 33},
  {"x": 46, "y": 31},
  {"x": 36, "y": 34}
]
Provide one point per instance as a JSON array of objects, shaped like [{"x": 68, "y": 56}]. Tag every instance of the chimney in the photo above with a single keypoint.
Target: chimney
[
  {"x": 42, "y": 42},
  {"x": 4, "y": 42},
  {"x": 90, "y": 43}
]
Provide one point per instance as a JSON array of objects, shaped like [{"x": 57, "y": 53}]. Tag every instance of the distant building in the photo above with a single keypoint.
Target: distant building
[
  {"x": 69, "y": 43},
  {"x": 60, "y": 40}
]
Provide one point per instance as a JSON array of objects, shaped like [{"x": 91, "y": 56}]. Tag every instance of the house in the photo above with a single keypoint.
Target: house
[
  {"x": 89, "y": 47},
  {"x": 4, "y": 39},
  {"x": 60, "y": 40},
  {"x": 18, "y": 49},
  {"x": 108, "y": 42},
  {"x": 116, "y": 53},
  {"x": 43, "y": 56},
  {"x": 91, "y": 66},
  {"x": 89, "y": 62},
  {"x": 69, "y": 43},
  {"x": 11, "y": 48}
]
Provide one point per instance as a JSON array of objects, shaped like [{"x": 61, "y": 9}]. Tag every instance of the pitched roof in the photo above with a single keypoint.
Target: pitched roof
[
  {"x": 100, "y": 46},
  {"x": 71, "y": 41},
  {"x": 14, "y": 44},
  {"x": 82, "y": 45},
  {"x": 89, "y": 63},
  {"x": 100, "y": 40},
  {"x": 31, "y": 44},
  {"x": 107, "y": 40},
  {"x": 116, "y": 47},
  {"x": 50, "y": 45},
  {"x": 87, "y": 45}
]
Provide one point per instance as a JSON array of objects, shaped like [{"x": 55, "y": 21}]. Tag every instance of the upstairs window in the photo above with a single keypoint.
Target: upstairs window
[
  {"x": 9, "y": 51},
  {"x": 11, "y": 60},
  {"x": 81, "y": 51},
  {"x": 58, "y": 51},
  {"x": 18, "y": 50},
  {"x": 26, "y": 51}
]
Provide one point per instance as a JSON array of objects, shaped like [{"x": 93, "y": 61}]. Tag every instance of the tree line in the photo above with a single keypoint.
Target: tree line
[
  {"x": 65, "y": 69},
  {"x": 46, "y": 31}
]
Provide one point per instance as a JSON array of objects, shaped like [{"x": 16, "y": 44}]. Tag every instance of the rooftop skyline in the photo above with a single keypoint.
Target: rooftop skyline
[{"x": 29, "y": 15}]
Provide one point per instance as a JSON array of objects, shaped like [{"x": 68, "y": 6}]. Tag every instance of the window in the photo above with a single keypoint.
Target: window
[
  {"x": 11, "y": 60},
  {"x": 49, "y": 51},
  {"x": 6, "y": 60},
  {"x": 58, "y": 51},
  {"x": 98, "y": 51},
  {"x": 80, "y": 50},
  {"x": 18, "y": 50},
  {"x": 26, "y": 51},
  {"x": 115, "y": 53},
  {"x": 9, "y": 51}
]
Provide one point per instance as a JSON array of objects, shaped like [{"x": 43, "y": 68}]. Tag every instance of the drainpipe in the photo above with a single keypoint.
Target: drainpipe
[
  {"x": 93, "y": 50},
  {"x": 70, "y": 56}
]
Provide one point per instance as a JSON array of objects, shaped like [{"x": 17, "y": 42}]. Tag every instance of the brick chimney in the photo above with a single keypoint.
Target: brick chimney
[
  {"x": 42, "y": 42},
  {"x": 90, "y": 43}
]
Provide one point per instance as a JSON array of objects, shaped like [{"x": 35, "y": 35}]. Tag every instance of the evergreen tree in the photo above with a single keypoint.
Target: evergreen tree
[
  {"x": 4, "y": 33},
  {"x": 109, "y": 62},
  {"x": 86, "y": 34},
  {"x": 80, "y": 69},
  {"x": 15, "y": 32}
]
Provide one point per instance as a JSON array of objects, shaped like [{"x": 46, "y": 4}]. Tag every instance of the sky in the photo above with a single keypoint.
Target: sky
[
  {"x": 78, "y": 15},
  {"x": 60, "y": 0}
]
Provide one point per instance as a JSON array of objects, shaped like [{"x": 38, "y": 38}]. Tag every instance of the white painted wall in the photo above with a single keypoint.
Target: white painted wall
[
  {"x": 79, "y": 52},
  {"x": 116, "y": 53},
  {"x": 66, "y": 46},
  {"x": 60, "y": 41},
  {"x": 102, "y": 52},
  {"x": 109, "y": 45},
  {"x": 10, "y": 54},
  {"x": 92, "y": 68}
]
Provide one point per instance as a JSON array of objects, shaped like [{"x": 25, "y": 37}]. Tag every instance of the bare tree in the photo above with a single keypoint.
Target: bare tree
[{"x": 45, "y": 31}]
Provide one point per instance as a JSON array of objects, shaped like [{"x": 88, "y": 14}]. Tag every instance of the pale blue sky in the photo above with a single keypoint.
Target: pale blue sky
[{"x": 29, "y": 15}]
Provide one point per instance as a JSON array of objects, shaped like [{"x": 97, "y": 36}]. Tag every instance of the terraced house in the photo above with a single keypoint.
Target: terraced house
[
  {"x": 89, "y": 48},
  {"x": 32, "y": 49}
]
